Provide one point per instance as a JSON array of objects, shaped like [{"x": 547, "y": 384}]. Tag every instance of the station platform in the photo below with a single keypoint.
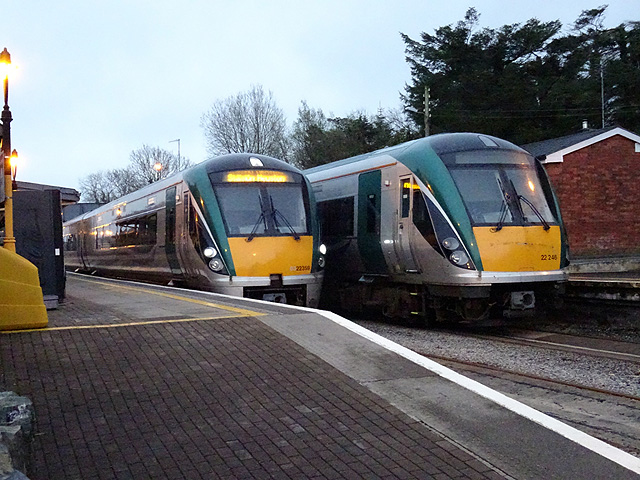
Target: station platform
[
  {"x": 605, "y": 285},
  {"x": 132, "y": 381}
]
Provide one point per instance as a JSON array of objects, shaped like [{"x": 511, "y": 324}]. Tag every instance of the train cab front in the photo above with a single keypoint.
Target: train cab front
[
  {"x": 263, "y": 223},
  {"x": 519, "y": 244}
]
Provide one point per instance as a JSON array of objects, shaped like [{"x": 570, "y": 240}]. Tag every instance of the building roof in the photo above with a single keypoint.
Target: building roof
[
  {"x": 554, "y": 150},
  {"x": 67, "y": 195}
]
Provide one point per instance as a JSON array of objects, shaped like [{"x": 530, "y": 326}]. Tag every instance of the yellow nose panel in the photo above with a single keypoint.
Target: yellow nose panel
[
  {"x": 263, "y": 256},
  {"x": 519, "y": 249}
]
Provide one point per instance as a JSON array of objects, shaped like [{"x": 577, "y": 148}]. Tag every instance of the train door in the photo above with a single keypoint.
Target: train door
[
  {"x": 369, "y": 198},
  {"x": 185, "y": 248},
  {"x": 86, "y": 239},
  {"x": 170, "y": 231},
  {"x": 82, "y": 247},
  {"x": 404, "y": 236}
]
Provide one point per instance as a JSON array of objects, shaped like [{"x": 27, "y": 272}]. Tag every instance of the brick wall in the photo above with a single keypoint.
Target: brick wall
[{"x": 599, "y": 192}]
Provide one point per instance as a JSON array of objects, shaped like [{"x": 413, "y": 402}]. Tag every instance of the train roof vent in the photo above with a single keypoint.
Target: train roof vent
[{"x": 489, "y": 142}]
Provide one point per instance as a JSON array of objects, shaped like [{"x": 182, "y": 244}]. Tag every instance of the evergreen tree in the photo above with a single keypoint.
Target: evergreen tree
[{"x": 526, "y": 82}]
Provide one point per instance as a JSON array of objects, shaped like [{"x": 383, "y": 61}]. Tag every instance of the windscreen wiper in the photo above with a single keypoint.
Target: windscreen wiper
[
  {"x": 524, "y": 199},
  {"x": 255, "y": 227},
  {"x": 503, "y": 217},
  {"x": 533, "y": 208},
  {"x": 276, "y": 213},
  {"x": 504, "y": 209},
  {"x": 257, "y": 224}
]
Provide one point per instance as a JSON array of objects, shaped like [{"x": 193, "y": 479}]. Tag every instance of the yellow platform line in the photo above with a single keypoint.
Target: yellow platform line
[
  {"x": 128, "y": 324},
  {"x": 241, "y": 311},
  {"x": 237, "y": 312}
]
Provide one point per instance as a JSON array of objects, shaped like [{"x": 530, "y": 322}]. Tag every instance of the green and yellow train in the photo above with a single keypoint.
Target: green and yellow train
[
  {"x": 240, "y": 224},
  {"x": 458, "y": 223}
]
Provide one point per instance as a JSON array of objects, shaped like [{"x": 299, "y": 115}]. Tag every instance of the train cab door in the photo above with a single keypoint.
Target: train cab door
[
  {"x": 82, "y": 248},
  {"x": 170, "y": 231},
  {"x": 404, "y": 234},
  {"x": 185, "y": 245}
]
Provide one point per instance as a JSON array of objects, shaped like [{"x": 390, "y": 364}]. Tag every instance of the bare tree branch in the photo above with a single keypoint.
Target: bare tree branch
[
  {"x": 105, "y": 186},
  {"x": 248, "y": 122}
]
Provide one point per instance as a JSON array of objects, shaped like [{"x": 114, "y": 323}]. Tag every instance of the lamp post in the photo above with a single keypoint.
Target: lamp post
[
  {"x": 9, "y": 239},
  {"x": 179, "y": 166}
]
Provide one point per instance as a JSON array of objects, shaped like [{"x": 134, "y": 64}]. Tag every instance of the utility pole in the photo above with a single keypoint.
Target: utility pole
[
  {"x": 602, "y": 88},
  {"x": 179, "y": 159},
  {"x": 426, "y": 111}
]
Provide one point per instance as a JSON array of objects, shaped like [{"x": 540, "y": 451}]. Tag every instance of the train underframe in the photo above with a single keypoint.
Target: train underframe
[{"x": 432, "y": 304}]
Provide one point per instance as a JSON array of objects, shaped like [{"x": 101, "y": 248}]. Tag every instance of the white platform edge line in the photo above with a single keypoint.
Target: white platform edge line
[
  {"x": 598, "y": 446},
  {"x": 610, "y": 452}
]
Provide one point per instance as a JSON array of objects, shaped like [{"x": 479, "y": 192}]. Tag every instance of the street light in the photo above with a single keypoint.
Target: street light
[
  {"x": 20, "y": 293},
  {"x": 158, "y": 168},
  {"x": 9, "y": 239},
  {"x": 13, "y": 162}
]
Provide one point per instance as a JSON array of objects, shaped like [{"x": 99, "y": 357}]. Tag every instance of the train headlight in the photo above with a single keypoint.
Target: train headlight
[
  {"x": 209, "y": 252},
  {"x": 323, "y": 249},
  {"x": 321, "y": 262},
  {"x": 459, "y": 258},
  {"x": 451, "y": 243},
  {"x": 216, "y": 265}
]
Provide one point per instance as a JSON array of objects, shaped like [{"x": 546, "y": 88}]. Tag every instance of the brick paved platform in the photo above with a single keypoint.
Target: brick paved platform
[
  {"x": 131, "y": 382},
  {"x": 221, "y": 398}
]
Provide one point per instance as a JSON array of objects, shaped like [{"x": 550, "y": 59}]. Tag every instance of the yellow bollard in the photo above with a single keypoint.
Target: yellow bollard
[{"x": 21, "y": 302}]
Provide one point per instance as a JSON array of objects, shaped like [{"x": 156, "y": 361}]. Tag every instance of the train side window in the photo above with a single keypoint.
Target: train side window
[
  {"x": 106, "y": 237},
  {"x": 127, "y": 232},
  {"x": 421, "y": 218},
  {"x": 148, "y": 229},
  {"x": 194, "y": 226},
  {"x": 373, "y": 219},
  {"x": 70, "y": 243},
  {"x": 337, "y": 217},
  {"x": 405, "y": 200},
  {"x": 186, "y": 205},
  {"x": 137, "y": 231},
  {"x": 196, "y": 230}
]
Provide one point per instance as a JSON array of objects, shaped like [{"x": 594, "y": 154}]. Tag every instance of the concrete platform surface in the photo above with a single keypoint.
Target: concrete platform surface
[{"x": 135, "y": 381}]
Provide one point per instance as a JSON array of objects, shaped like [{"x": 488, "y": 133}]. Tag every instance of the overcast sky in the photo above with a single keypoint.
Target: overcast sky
[{"x": 98, "y": 79}]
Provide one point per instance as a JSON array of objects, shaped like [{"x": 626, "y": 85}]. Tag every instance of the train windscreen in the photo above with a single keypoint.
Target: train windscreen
[
  {"x": 262, "y": 203},
  {"x": 499, "y": 187}
]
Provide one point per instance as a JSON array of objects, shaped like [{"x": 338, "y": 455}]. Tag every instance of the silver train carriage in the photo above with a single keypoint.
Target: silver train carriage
[
  {"x": 453, "y": 226},
  {"x": 240, "y": 224}
]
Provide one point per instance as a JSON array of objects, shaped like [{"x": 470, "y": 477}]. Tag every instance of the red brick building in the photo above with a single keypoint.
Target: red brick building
[{"x": 596, "y": 176}]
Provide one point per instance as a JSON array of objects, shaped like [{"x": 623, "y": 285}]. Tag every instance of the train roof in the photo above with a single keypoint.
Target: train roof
[
  {"x": 236, "y": 161},
  {"x": 441, "y": 143},
  {"x": 233, "y": 161}
]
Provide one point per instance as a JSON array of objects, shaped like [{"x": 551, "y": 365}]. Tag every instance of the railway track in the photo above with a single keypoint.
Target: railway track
[
  {"x": 588, "y": 382},
  {"x": 580, "y": 344}
]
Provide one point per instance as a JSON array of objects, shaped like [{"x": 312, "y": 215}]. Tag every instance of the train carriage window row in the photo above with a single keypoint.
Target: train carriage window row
[{"x": 137, "y": 231}]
